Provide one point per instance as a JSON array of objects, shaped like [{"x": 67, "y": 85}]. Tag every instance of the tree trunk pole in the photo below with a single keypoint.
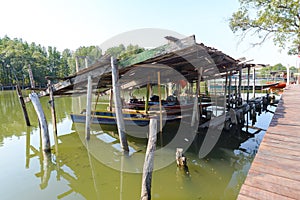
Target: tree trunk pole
[
  {"x": 149, "y": 161},
  {"x": 160, "y": 106},
  {"x": 22, "y": 102},
  {"x": 118, "y": 106},
  {"x": 43, "y": 122},
  {"x": 88, "y": 108}
]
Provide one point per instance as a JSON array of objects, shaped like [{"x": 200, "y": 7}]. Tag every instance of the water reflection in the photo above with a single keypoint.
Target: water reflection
[{"x": 74, "y": 172}]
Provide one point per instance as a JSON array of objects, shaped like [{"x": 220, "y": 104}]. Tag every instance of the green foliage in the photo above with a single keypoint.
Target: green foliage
[
  {"x": 16, "y": 56},
  {"x": 265, "y": 18}
]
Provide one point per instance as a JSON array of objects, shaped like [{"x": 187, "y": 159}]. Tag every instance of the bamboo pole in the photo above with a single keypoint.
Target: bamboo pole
[
  {"x": 118, "y": 106},
  {"x": 32, "y": 83},
  {"x": 149, "y": 161},
  {"x": 23, "y": 105},
  {"x": 52, "y": 106},
  {"x": 88, "y": 108},
  {"x": 42, "y": 120}
]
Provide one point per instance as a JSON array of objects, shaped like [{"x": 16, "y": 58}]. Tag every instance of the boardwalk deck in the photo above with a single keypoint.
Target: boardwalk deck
[{"x": 275, "y": 171}]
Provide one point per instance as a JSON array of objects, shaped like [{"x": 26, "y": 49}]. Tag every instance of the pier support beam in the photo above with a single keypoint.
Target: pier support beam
[
  {"x": 88, "y": 108},
  {"x": 118, "y": 106},
  {"x": 53, "y": 114},
  {"x": 43, "y": 122},
  {"x": 149, "y": 161},
  {"x": 22, "y": 102}
]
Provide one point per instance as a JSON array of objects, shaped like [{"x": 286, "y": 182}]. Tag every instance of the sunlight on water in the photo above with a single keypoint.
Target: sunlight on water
[{"x": 78, "y": 172}]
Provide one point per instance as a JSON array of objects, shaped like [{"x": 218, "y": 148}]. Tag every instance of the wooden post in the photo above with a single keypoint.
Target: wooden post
[
  {"x": 88, "y": 108},
  {"x": 32, "y": 83},
  {"x": 147, "y": 96},
  {"x": 52, "y": 106},
  {"x": 77, "y": 64},
  {"x": 118, "y": 106},
  {"x": 225, "y": 93},
  {"x": 160, "y": 106},
  {"x": 229, "y": 91},
  {"x": 288, "y": 75},
  {"x": 253, "y": 85},
  {"x": 86, "y": 62},
  {"x": 240, "y": 81},
  {"x": 195, "y": 116},
  {"x": 110, "y": 99},
  {"x": 149, "y": 161},
  {"x": 248, "y": 84},
  {"x": 43, "y": 122},
  {"x": 22, "y": 102}
]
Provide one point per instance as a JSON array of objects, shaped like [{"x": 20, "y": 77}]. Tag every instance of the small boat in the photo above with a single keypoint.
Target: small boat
[
  {"x": 280, "y": 85},
  {"x": 109, "y": 118}
]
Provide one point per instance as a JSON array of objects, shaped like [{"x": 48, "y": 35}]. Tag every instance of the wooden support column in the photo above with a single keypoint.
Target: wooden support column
[
  {"x": 149, "y": 161},
  {"x": 32, "y": 83},
  {"x": 229, "y": 91},
  {"x": 160, "y": 106},
  {"x": 248, "y": 84},
  {"x": 225, "y": 92},
  {"x": 77, "y": 64},
  {"x": 43, "y": 122},
  {"x": 118, "y": 106},
  {"x": 240, "y": 81},
  {"x": 110, "y": 99},
  {"x": 253, "y": 85},
  {"x": 195, "y": 115},
  {"x": 88, "y": 108},
  {"x": 53, "y": 114},
  {"x": 147, "y": 96},
  {"x": 23, "y": 105}
]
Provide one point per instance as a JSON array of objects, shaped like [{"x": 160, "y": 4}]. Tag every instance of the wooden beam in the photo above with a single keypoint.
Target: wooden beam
[
  {"x": 149, "y": 161},
  {"x": 88, "y": 108},
  {"x": 118, "y": 106},
  {"x": 43, "y": 122}
]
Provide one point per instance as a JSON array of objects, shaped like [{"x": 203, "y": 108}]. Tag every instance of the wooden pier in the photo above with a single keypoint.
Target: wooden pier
[{"x": 275, "y": 171}]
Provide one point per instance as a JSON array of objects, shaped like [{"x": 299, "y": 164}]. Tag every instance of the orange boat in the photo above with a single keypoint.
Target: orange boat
[{"x": 280, "y": 85}]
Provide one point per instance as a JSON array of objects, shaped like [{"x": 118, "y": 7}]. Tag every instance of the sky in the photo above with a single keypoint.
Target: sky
[{"x": 74, "y": 23}]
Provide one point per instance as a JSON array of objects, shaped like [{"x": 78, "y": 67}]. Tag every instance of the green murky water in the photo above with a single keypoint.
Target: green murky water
[{"x": 92, "y": 171}]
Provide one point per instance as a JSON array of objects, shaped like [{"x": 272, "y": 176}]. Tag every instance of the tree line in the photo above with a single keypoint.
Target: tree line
[{"x": 17, "y": 56}]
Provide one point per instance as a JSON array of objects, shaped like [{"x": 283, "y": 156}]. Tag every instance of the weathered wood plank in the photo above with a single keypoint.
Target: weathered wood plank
[
  {"x": 275, "y": 171},
  {"x": 260, "y": 194},
  {"x": 270, "y": 169}
]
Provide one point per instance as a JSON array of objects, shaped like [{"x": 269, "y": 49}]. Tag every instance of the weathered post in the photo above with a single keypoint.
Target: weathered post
[
  {"x": 195, "y": 115},
  {"x": 77, "y": 64},
  {"x": 53, "y": 114},
  {"x": 253, "y": 85},
  {"x": 110, "y": 99},
  {"x": 43, "y": 122},
  {"x": 88, "y": 108},
  {"x": 160, "y": 106},
  {"x": 149, "y": 161},
  {"x": 248, "y": 84},
  {"x": 32, "y": 83},
  {"x": 118, "y": 106},
  {"x": 22, "y": 102}
]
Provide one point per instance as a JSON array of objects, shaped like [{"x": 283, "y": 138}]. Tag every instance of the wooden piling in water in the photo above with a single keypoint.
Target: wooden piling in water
[
  {"x": 149, "y": 161},
  {"x": 22, "y": 102},
  {"x": 53, "y": 115},
  {"x": 118, "y": 106},
  {"x": 88, "y": 108},
  {"x": 42, "y": 120}
]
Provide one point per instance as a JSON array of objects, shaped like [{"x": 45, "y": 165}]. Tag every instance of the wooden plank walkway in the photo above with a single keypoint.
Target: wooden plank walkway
[{"x": 275, "y": 171}]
